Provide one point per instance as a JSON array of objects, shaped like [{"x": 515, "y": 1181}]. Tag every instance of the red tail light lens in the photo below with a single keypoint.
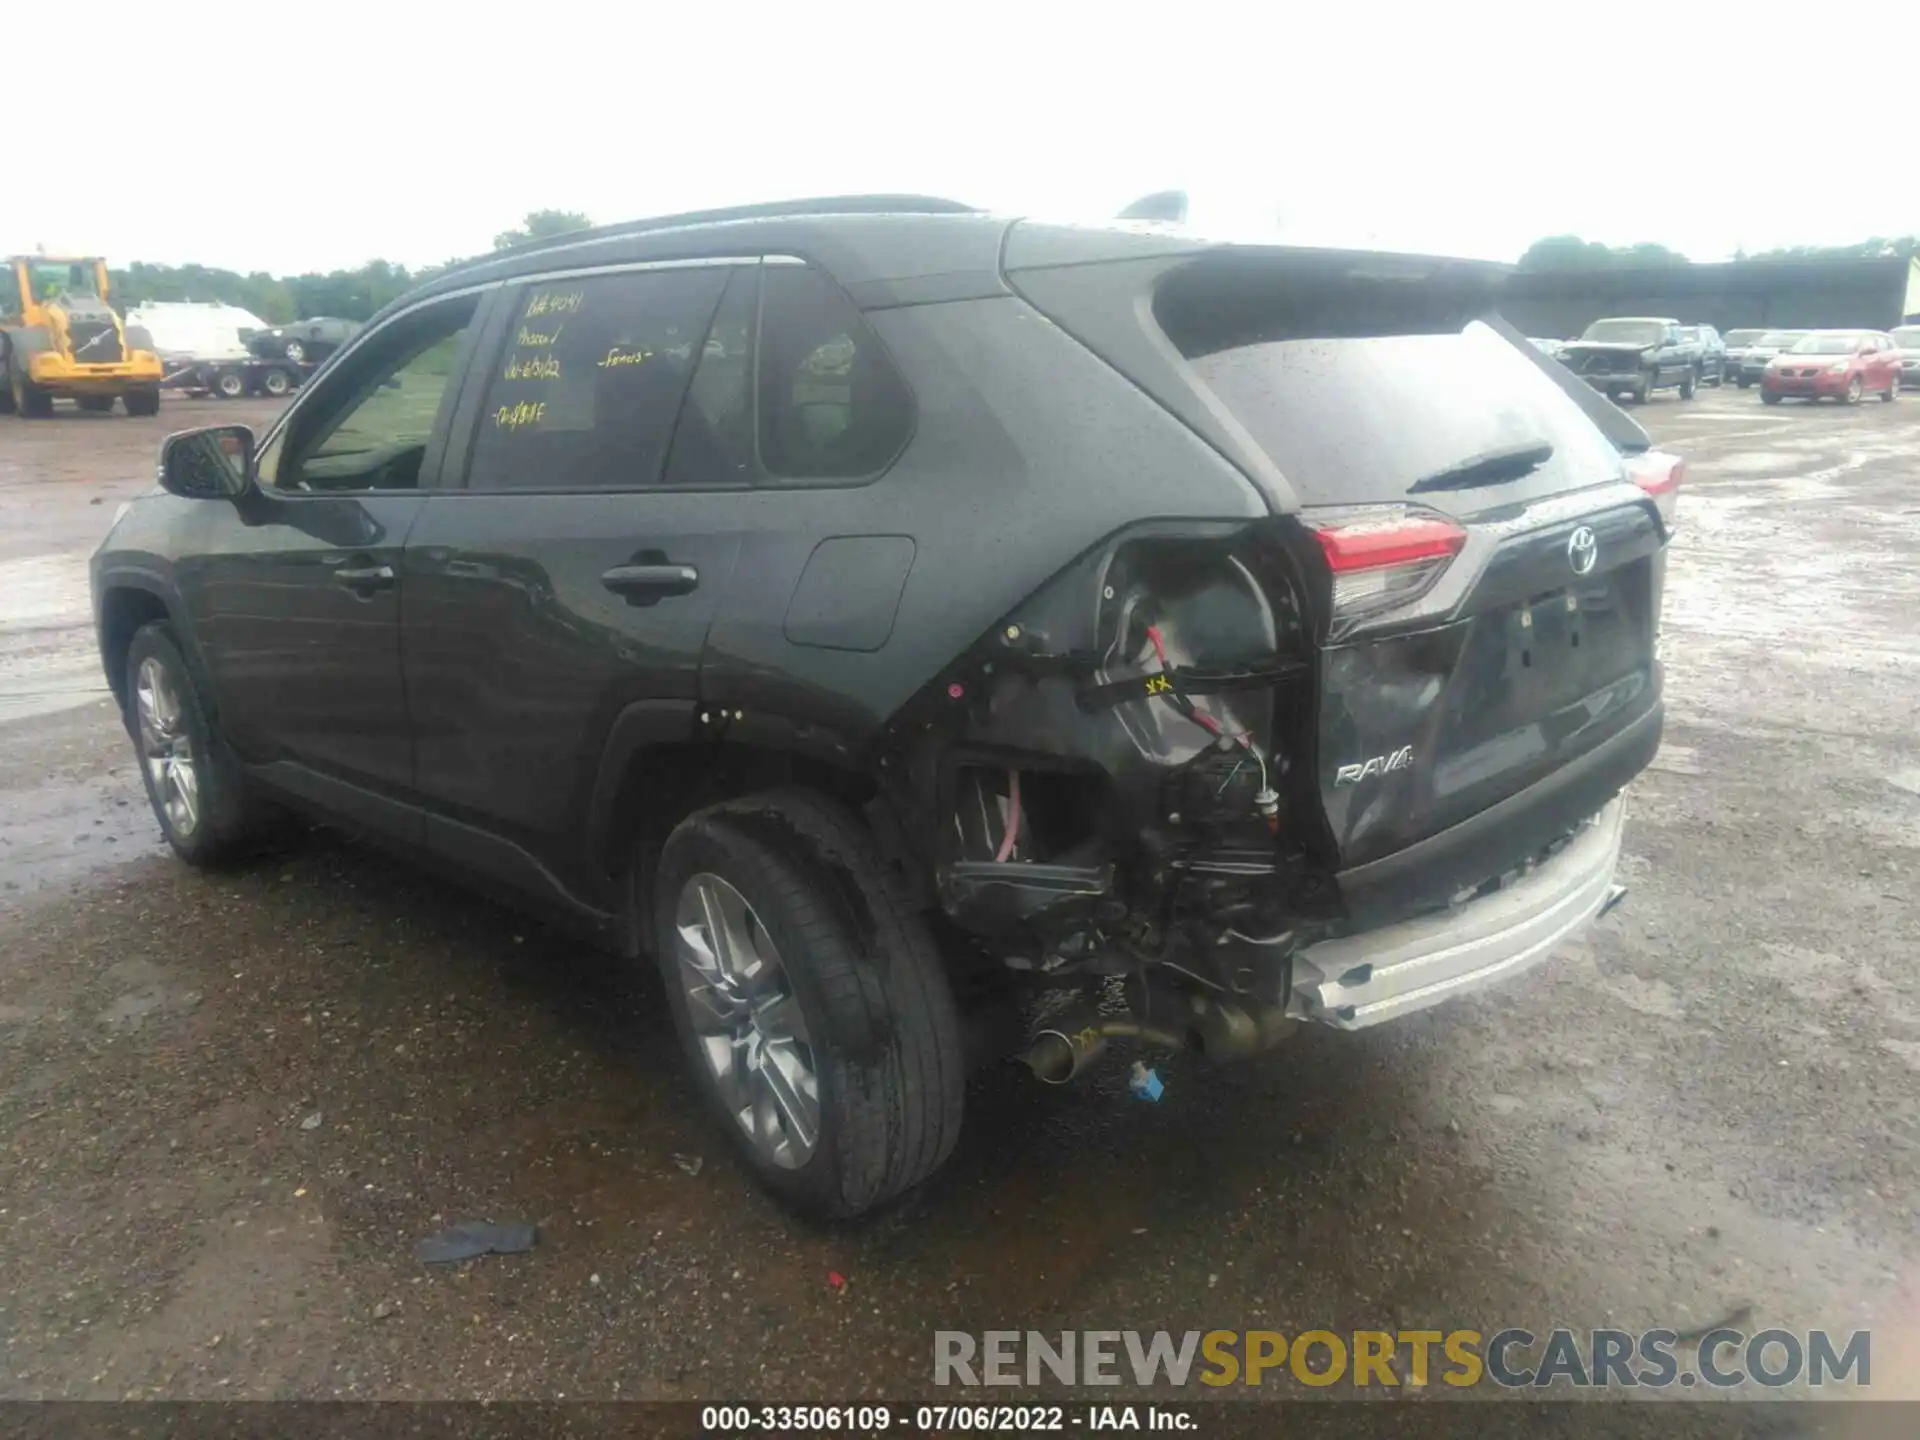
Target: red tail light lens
[
  {"x": 1659, "y": 474},
  {"x": 1385, "y": 559}
]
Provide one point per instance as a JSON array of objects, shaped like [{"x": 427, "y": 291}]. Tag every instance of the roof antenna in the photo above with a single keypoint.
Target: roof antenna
[{"x": 1162, "y": 205}]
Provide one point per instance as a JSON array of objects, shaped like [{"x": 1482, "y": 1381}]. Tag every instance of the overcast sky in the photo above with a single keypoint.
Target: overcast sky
[{"x": 296, "y": 136}]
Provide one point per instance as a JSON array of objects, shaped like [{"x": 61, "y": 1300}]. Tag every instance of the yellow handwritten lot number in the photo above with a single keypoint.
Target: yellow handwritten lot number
[
  {"x": 553, "y": 302},
  {"x": 1320, "y": 1357},
  {"x": 520, "y": 414}
]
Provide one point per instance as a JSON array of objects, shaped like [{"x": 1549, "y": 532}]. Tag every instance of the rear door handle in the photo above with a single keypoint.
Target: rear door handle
[
  {"x": 366, "y": 577},
  {"x": 650, "y": 581}
]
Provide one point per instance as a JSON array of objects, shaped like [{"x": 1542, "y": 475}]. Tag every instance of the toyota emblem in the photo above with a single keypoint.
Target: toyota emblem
[{"x": 1582, "y": 550}]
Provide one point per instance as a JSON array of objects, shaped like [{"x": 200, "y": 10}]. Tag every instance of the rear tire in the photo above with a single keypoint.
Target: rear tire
[
  {"x": 143, "y": 401},
  {"x": 229, "y": 384},
  {"x": 834, "y": 956},
  {"x": 276, "y": 382},
  {"x": 193, "y": 783},
  {"x": 1892, "y": 392},
  {"x": 1743, "y": 382}
]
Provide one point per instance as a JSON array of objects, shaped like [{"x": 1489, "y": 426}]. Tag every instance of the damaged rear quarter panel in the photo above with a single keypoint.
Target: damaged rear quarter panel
[{"x": 1027, "y": 452}]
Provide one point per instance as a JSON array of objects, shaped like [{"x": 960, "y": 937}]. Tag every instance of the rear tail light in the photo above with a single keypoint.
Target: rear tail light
[
  {"x": 1659, "y": 474},
  {"x": 1384, "y": 560}
]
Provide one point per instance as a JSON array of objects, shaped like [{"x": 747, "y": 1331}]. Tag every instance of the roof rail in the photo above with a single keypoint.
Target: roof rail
[{"x": 773, "y": 209}]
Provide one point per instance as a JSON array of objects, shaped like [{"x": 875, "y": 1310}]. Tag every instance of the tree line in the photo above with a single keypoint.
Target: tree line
[
  {"x": 346, "y": 294},
  {"x": 1570, "y": 252},
  {"x": 356, "y": 294}
]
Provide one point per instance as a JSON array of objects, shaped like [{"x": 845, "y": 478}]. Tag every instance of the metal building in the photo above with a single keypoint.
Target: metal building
[{"x": 1802, "y": 294}]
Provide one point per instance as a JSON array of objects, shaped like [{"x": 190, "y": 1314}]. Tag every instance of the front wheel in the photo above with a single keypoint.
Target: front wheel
[
  {"x": 31, "y": 401},
  {"x": 1767, "y": 397},
  {"x": 1743, "y": 382},
  {"x": 1644, "y": 392},
  {"x": 196, "y": 789},
  {"x": 1690, "y": 385},
  {"x": 1855, "y": 389},
  {"x": 812, "y": 1003},
  {"x": 144, "y": 401}
]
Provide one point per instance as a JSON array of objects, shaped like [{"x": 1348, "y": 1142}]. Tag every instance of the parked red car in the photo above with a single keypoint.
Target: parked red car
[{"x": 1844, "y": 364}]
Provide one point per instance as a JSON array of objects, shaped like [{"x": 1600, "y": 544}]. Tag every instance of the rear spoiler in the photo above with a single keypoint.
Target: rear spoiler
[{"x": 1619, "y": 427}]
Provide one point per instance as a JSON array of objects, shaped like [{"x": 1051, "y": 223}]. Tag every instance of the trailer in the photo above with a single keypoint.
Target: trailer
[{"x": 233, "y": 378}]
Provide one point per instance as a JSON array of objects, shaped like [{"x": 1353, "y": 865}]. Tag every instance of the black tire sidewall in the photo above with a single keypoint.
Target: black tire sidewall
[
  {"x": 712, "y": 844},
  {"x": 876, "y": 1003},
  {"x": 222, "y": 800}
]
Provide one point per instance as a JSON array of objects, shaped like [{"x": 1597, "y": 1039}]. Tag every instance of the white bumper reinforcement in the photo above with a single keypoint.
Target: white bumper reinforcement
[{"x": 1360, "y": 980}]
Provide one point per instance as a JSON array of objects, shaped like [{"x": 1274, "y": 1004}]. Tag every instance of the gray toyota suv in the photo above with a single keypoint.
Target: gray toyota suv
[{"x": 882, "y": 615}]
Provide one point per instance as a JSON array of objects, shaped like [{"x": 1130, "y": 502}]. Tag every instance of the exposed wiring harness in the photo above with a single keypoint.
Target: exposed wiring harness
[{"x": 1180, "y": 701}]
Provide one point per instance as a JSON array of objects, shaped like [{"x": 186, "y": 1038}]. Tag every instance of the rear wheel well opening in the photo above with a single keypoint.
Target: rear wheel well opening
[
  {"x": 665, "y": 783},
  {"x": 122, "y": 614}
]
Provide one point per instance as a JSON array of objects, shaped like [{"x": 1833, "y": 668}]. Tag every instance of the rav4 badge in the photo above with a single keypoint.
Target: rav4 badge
[{"x": 1378, "y": 765}]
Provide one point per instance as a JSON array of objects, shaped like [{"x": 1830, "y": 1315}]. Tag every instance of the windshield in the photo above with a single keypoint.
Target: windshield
[
  {"x": 1743, "y": 337},
  {"x": 50, "y": 278},
  {"x": 1779, "y": 339},
  {"x": 1624, "y": 332},
  {"x": 1843, "y": 344},
  {"x": 1907, "y": 339}
]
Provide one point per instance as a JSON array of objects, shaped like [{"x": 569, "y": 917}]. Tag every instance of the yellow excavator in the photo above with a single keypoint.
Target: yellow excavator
[{"x": 60, "y": 338}]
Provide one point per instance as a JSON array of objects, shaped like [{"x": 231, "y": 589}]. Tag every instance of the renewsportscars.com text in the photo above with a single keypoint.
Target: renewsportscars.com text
[{"x": 1512, "y": 1358}]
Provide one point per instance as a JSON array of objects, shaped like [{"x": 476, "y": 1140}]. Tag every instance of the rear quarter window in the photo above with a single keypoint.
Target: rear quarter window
[{"x": 832, "y": 405}]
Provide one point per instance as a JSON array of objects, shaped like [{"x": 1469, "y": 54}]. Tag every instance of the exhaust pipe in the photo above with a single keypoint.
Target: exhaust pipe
[
  {"x": 1062, "y": 1052},
  {"x": 1221, "y": 1029}
]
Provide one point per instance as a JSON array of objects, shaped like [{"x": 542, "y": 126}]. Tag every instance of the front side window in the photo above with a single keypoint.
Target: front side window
[
  {"x": 587, "y": 391},
  {"x": 368, "y": 424},
  {"x": 832, "y": 405}
]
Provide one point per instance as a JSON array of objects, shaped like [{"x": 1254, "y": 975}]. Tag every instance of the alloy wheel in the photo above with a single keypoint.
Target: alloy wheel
[
  {"x": 166, "y": 749},
  {"x": 747, "y": 1022}
]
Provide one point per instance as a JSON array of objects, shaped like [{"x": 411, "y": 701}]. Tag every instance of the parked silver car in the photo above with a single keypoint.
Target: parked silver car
[{"x": 1907, "y": 337}]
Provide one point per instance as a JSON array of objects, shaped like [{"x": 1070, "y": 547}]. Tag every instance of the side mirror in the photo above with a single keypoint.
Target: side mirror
[{"x": 211, "y": 464}]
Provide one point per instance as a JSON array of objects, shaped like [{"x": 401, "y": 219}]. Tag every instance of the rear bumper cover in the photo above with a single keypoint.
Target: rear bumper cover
[{"x": 1357, "y": 981}]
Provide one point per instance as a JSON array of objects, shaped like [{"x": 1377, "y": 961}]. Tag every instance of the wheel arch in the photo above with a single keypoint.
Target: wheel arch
[
  {"x": 127, "y": 603},
  {"x": 661, "y": 762}
]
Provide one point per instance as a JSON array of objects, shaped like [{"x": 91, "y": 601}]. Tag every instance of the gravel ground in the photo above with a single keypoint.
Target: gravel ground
[{"x": 230, "y": 1105}]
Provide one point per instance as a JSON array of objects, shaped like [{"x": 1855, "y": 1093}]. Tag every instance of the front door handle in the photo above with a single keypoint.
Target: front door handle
[
  {"x": 366, "y": 577},
  {"x": 650, "y": 582}
]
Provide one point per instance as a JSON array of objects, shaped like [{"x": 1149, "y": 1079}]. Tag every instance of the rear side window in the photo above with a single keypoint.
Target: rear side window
[
  {"x": 588, "y": 388},
  {"x": 1358, "y": 391},
  {"x": 832, "y": 405}
]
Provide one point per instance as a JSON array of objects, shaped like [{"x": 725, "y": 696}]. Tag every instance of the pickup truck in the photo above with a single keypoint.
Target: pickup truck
[{"x": 1635, "y": 356}]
